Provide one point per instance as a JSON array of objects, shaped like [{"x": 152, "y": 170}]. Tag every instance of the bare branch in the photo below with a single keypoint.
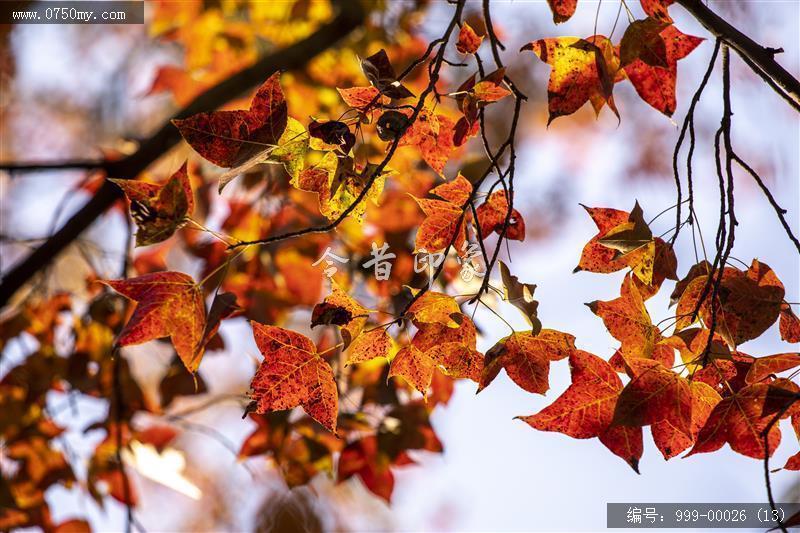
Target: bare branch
[
  {"x": 351, "y": 16},
  {"x": 759, "y": 58}
]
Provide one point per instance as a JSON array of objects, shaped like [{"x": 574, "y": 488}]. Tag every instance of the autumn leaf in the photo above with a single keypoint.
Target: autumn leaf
[
  {"x": 596, "y": 257},
  {"x": 643, "y": 41},
  {"x": 656, "y": 84},
  {"x": 437, "y": 346},
  {"x": 763, "y": 367},
  {"x": 789, "y": 324},
  {"x": 435, "y": 308},
  {"x": 628, "y": 321},
  {"x": 330, "y": 134},
  {"x": 231, "y": 138},
  {"x": 657, "y": 9},
  {"x": 472, "y": 96},
  {"x": 373, "y": 457},
  {"x": 457, "y": 191},
  {"x": 703, "y": 268},
  {"x": 380, "y": 73},
  {"x": 520, "y": 295},
  {"x": 582, "y": 70},
  {"x": 747, "y": 302},
  {"x": 526, "y": 358},
  {"x": 492, "y": 217},
  {"x": 670, "y": 440},
  {"x": 586, "y": 409},
  {"x": 292, "y": 374},
  {"x": 432, "y": 134},
  {"x": 364, "y": 459},
  {"x": 625, "y": 240},
  {"x": 727, "y": 376},
  {"x": 361, "y": 97},
  {"x": 338, "y": 182},
  {"x": 169, "y": 304},
  {"x": 468, "y": 41},
  {"x": 369, "y": 345},
  {"x": 692, "y": 345},
  {"x": 739, "y": 420},
  {"x": 654, "y": 394},
  {"x": 443, "y": 225},
  {"x": 340, "y": 309},
  {"x": 159, "y": 210},
  {"x": 562, "y": 9}
]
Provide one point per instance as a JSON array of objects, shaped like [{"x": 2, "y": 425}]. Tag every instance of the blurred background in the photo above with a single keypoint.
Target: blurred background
[{"x": 72, "y": 92}]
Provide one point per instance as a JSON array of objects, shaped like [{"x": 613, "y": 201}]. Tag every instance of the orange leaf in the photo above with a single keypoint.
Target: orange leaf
[
  {"x": 582, "y": 70},
  {"x": 457, "y": 191},
  {"x": 586, "y": 408},
  {"x": 654, "y": 394},
  {"x": 643, "y": 40},
  {"x": 747, "y": 302},
  {"x": 492, "y": 216},
  {"x": 292, "y": 374},
  {"x": 789, "y": 324},
  {"x": 436, "y": 346},
  {"x": 657, "y": 9},
  {"x": 468, "y": 41},
  {"x": 432, "y": 134},
  {"x": 369, "y": 345},
  {"x": 169, "y": 304},
  {"x": 360, "y": 97},
  {"x": 762, "y": 367},
  {"x": 562, "y": 9},
  {"x": 656, "y": 85},
  {"x": 364, "y": 458},
  {"x": 740, "y": 420},
  {"x": 443, "y": 225},
  {"x": 625, "y": 240},
  {"x": 526, "y": 358},
  {"x": 671, "y": 441},
  {"x": 436, "y": 308},
  {"x": 628, "y": 321}
]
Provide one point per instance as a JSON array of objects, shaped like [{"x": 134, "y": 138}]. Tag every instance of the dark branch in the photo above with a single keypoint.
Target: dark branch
[
  {"x": 759, "y": 58},
  {"x": 295, "y": 56}
]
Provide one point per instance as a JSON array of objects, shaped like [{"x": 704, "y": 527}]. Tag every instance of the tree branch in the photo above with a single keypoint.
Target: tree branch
[
  {"x": 759, "y": 58},
  {"x": 351, "y": 16}
]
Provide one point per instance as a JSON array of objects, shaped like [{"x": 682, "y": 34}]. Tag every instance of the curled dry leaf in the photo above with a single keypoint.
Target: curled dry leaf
[
  {"x": 159, "y": 210},
  {"x": 520, "y": 295},
  {"x": 340, "y": 309},
  {"x": 492, "y": 217}
]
